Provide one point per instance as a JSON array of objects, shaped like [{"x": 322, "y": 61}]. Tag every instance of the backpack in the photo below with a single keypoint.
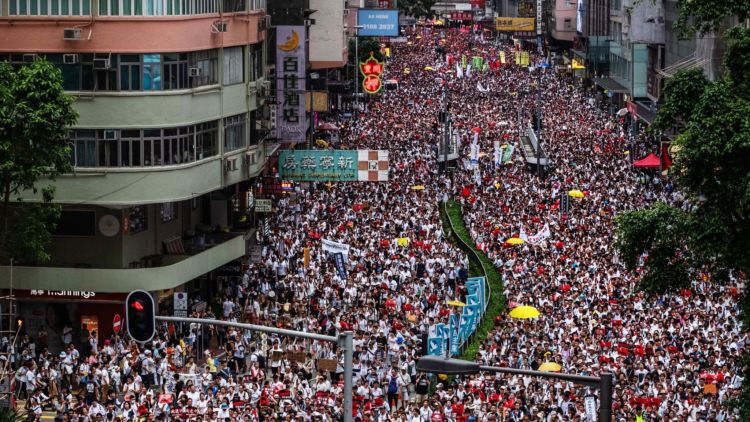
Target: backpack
[
  {"x": 261, "y": 361},
  {"x": 392, "y": 386}
]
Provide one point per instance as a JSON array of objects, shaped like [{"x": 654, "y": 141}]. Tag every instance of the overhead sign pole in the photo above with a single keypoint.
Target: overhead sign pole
[{"x": 344, "y": 340}]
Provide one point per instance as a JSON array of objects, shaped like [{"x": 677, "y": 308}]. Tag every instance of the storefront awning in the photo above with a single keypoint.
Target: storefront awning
[
  {"x": 644, "y": 113},
  {"x": 610, "y": 85}
]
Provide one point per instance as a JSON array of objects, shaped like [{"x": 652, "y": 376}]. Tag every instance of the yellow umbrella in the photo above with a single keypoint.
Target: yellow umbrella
[
  {"x": 575, "y": 193},
  {"x": 514, "y": 241},
  {"x": 550, "y": 367},
  {"x": 524, "y": 312},
  {"x": 417, "y": 187},
  {"x": 428, "y": 68},
  {"x": 455, "y": 303}
]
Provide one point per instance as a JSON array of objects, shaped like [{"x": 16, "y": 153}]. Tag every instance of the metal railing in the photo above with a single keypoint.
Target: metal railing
[{"x": 470, "y": 250}]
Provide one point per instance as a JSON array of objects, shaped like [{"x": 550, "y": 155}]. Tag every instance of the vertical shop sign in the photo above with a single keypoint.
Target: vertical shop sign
[{"x": 291, "y": 120}]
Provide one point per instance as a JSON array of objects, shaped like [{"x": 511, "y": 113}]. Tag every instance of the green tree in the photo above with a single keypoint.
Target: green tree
[
  {"x": 703, "y": 16},
  {"x": 35, "y": 114},
  {"x": 417, "y": 8},
  {"x": 366, "y": 46},
  {"x": 712, "y": 170}
]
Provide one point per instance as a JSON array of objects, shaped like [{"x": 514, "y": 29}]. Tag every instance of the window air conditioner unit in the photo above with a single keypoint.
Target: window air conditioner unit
[
  {"x": 194, "y": 72},
  {"x": 72, "y": 33},
  {"x": 28, "y": 58},
  {"x": 219, "y": 26},
  {"x": 111, "y": 135},
  {"x": 231, "y": 164},
  {"x": 70, "y": 58},
  {"x": 266, "y": 85},
  {"x": 346, "y": 12},
  {"x": 101, "y": 63}
]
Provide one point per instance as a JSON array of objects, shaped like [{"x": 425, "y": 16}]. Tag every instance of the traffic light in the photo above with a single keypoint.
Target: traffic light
[{"x": 139, "y": 312}]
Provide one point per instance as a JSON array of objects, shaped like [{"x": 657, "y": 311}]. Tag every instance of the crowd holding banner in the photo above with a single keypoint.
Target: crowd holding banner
[{"x": 372, "y": 258}]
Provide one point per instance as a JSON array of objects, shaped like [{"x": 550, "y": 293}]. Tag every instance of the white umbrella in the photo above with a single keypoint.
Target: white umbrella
[{"x": 621, "y": 112}]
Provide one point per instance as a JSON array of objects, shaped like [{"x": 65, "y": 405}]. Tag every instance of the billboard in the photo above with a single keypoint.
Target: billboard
[
  {"x": 335, "y": 165},
  {"x": 514, "y": 24},
  {"x": 377, "y": 22},
  {"x": 291, "y": 120}
]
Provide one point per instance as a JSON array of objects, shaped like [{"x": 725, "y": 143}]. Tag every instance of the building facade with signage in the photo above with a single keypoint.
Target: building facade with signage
[{"x": 169, "y": 138}]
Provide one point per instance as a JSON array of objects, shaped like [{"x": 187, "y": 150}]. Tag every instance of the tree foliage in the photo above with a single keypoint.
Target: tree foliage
[
  {"x": 417, "y": 8},
  {"x": 35, "y": 114},
  {"x": 678, "y": 98},
  {"x": 366, "y": 46},
  {"x": 704, "y": 16}
]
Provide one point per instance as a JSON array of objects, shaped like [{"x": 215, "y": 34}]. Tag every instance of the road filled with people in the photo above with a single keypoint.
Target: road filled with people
[{"x": 673, "y": 356}]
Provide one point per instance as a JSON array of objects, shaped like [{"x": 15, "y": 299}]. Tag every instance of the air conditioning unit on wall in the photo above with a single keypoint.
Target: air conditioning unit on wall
[
  {"x": 72, "y": 33},
  {"x": 230, "y": 164}
]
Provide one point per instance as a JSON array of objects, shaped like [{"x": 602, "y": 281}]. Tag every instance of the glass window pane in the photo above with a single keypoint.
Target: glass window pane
[
  {"x": 136, "y": 153},
  {"x": 44, "y": 8},
  {"x": 125, "y": 153},
  {"x": 138, "y": 7},
  {"x": 135, "y": 78},
  {"x": 64, "y": 8},
  {"x": 157, "y": 152},
  {"x": 33, "y": 9},
  {"x": 76, "y": 7},
  {"x": 23, "y": 9},
  {"x": 86, "y": 7}
]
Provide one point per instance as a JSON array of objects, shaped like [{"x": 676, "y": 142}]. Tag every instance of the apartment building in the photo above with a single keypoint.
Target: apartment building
[{"x": 170, "y": 139}]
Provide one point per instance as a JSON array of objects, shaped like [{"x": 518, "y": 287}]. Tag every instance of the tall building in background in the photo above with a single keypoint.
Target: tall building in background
[{"x": 166, "y": 149}]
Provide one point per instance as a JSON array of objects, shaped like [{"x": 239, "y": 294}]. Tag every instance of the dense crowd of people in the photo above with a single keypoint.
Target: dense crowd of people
[{"x": 672, "y": 356}]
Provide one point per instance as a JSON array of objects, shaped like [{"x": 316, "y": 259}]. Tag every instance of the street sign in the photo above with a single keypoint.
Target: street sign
[
  {"x": 181, "y": 304},
  {"x": 117, "y": 324},
  {"x": 263, "y": 205}
]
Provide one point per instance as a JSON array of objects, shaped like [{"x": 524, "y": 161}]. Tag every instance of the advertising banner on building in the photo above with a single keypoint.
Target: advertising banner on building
[
  {"x": 291, "y": 120},
  {"x": 377, "y": 22},
  {"x": 336, "y": 165},
  {"x": 514, "y": 24}
]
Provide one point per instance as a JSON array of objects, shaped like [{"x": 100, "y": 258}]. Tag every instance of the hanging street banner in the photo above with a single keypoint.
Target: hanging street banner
[
  {"x": 335, "y": 247},
  {"x": 377, "y": 22},
  {"x": 435, "y": 346},
  {"x": 334, "y": 166},
  {"x": 291, "y": 120},
  {"x": 454, "y": 334}
]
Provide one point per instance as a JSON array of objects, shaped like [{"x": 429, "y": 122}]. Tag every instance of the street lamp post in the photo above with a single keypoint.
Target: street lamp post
[
  {"x": 356, "y": 70},
  {"x": 440, "y": 365},
  {"x": 344, "y": 340}
]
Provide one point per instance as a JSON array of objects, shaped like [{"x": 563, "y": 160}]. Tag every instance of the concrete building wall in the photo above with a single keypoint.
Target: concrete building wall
[
  {"x": 564, "y": 20},
  {"x": 327, "y": 37}
]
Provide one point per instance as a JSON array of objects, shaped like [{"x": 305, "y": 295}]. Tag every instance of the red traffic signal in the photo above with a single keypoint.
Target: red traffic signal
[{"x": 139, "y": 315}]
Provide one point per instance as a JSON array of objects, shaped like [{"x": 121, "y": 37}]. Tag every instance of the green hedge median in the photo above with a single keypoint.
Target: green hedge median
[{"x": 479, "y": 264}]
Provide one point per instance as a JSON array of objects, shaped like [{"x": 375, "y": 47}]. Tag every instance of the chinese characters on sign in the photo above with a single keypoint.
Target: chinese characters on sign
[
  {"x": 291, "y": 121},
  {"x": 514, "y": 24},
  {"x": 372, "y": 69},
  {"x": 337, "y": 165}
]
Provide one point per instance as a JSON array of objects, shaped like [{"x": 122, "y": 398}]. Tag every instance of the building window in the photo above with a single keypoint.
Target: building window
[
  {"x": 255, "y": 65},
  {"x": 234, "y": 132},
  {"x": 233, "y": 66},
  {"x": 206, "y": 136},
  {"x": 49, "y": 7},
  {"x": 151, "y": 72},
  {"x": 136, "y": 220},
  {"x": 207, "y": 64},
  {"x": 568, "y": 24},
  {"x": 133, "y": 72},
  {"x": 156, "y": 7},
  {"x": 76, "y": 223},
  {"x": 144, "y": 147},
  {"x": 168, "y": 212},
  {"x": 234, "y": 6},
  {"x": 84, "y": 148}
]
